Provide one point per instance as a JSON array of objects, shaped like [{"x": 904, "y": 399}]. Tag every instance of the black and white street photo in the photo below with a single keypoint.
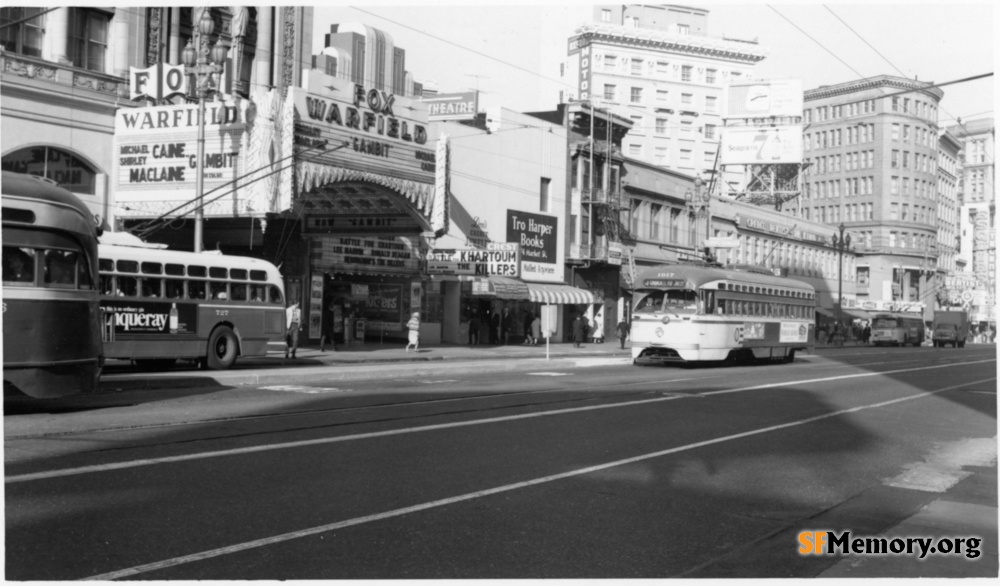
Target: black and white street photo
[{"x": 493, "y": 291}]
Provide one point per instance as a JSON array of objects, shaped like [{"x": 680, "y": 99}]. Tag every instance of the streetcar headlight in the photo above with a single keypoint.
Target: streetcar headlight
[
  {"x": 665, "y": 320},
  {"x": 659, "y": 332}
]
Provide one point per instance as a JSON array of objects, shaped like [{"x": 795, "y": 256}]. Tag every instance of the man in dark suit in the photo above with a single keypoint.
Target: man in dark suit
[{"x": 494, "y": 327}]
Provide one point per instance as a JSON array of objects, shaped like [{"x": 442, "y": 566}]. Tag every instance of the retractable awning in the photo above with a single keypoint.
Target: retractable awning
[{"x": 559, "y": 294}]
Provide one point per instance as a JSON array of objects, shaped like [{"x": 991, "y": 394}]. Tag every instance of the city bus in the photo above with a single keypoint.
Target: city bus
[
  {"x": 51, "y": 317},
  {"x": 162, "y": 305},
  {"x": 897, "y": 329},
  {"x": 694, "y": 313}
]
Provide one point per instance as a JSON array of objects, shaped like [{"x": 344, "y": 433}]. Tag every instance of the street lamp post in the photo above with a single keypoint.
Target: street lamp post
[
  {"x": 841, "y": 243},
  {"x": 698, "y": 205},
  {"x": 203, "y": 64}
]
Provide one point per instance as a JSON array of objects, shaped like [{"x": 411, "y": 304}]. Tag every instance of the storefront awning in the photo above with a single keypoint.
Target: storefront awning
[
  {"x": 824, "y": 311},
  {"x": 556, "y": 294}
]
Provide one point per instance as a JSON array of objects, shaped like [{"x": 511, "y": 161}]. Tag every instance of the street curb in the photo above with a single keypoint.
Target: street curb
[{"x": 356, "y": 371}]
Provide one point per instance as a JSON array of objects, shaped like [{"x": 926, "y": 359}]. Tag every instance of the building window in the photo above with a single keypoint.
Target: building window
[
  {"x": 687, "y": 98},
  {"x": 662, "y": 96},
  {"x": 686, "y": 73},
  {"x": 661, "y": 126},
  {"x": 895, "y": 159},
  {"x": 662, "y": 67},
  {"x": 895, "y": 132},
  {"x": 609, "y": 92},
  {"x": 893, "y": 211},
  {"x": 88, "y": 38},
  {"x": 710, "y": 132},
  {"x": 661, "y": 155},
  {"x": 686, "y": 126},
  {"x": 605, "y": 16},
  {"x": 543, "y": 194},
  {"x": 711, "y": 103},
  {"x": 26, "y": 36},
  {"x": 710, "y": 158},
  {"x": 610, "y": 62},
  {"x": 654, "y": 221},
  {"x": 635, "y": 150},
  {"x": 636, "y": 66},
  {"x": 683, "y": 29},
  {"x": 710, "y": 75},
  {"x": 636, "y": 95},
  {"x": 894, "y": 186},
  {"x": 686, "y": 158},
  {"x": 63, "y": 167}
]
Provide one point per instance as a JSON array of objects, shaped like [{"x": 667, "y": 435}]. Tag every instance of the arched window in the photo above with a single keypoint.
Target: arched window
[{"x": 66, "y": 169}]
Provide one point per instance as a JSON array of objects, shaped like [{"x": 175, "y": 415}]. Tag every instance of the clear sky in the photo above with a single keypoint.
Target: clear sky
[{"x": 511, "y": 51}]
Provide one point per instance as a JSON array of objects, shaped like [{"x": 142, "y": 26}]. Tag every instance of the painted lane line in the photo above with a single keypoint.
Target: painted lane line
[
  {"x": 549, "y": 374},
  {"x": 257, "y": 543},
  {"x": 376, "y": 434}
]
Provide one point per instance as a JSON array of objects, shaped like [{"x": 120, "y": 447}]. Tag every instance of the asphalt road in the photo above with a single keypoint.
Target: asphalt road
[{"x": 607, "y": 471}]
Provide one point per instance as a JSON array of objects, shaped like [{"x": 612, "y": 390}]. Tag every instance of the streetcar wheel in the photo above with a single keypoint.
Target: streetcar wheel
[
  {"x": 155, "y": 363},
  {"x": 222, "y": 348}
]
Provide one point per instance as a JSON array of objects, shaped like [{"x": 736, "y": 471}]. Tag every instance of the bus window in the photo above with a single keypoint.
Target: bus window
[
  {"x": 151, "y": 287},
  {"x": 175, "y": 288},
  {"x": 257, "y": 293},
  {"x": 275, "y": 295},
  {"x": 126, "y": 286},
  {"x": 258, "y": 275},
  {"x": 18, "y": 265},
  {"x": 218, "y": 290},
  {"x": 196, "y": 289},
  {"x": 60, "y": 267},
  {"x": 174, "y": 269},
  {"x": 107, "y": 285},
  {"x": 152, "y": 268},
  {"x": 218, "y": 272},
  {"x": 238, "y": 274},
  {"x": 197, "y": 271},
  {"x": 127, "y": 266},
  {"x": 239, "y": 291}
]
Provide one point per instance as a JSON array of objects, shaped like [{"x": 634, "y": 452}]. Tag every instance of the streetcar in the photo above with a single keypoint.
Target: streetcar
[
  {"x": 698, "y": 313},
  {"x": 897, "y": 329},
  {"x": 51, "y": 313},
  {"x": 163, "y": 305}
]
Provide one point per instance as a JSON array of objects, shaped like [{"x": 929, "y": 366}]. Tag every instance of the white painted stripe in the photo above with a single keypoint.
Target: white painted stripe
[
  {"x": 391, "y": 432},
  {"x": 257, "y": 543}
]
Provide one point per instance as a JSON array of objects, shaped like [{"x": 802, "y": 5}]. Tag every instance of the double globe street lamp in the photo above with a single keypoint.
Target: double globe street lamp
[
  {"x": 841, "y": 243},
  {"x": 204, "y": 65}
]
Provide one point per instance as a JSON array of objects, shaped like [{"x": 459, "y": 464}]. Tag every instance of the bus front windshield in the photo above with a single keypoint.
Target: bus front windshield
[{"x": 673, "y": 300}]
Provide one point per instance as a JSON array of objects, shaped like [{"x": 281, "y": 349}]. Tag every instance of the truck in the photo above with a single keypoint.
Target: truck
[{"x": 950, "y": 327}]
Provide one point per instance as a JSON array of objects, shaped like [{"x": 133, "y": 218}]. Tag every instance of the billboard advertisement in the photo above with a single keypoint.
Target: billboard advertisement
[
  {"x": 750, "y": 145},
  {"x": 764, "y": 99}
]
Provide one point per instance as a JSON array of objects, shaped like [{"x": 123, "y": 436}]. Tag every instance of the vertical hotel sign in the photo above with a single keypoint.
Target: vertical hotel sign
[
  {"x": 155, "y": 156},
  {"x": 377, "y": 132},
  {"x": 583, "y": 49}
]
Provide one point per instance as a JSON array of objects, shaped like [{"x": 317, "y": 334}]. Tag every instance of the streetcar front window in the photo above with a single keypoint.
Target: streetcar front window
[{"x": 674, "y": 300}]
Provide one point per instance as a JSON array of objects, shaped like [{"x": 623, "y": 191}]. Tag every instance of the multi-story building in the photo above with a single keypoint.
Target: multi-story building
[
  {"x": 656, "y": 66},
  {"x": 64, "y": 76},
  {"x": 367, "y": 56},
  {"x": 977, "y": 213},
  {"x": 949, "y": 148},
  {"x": 871, "y": 150}
]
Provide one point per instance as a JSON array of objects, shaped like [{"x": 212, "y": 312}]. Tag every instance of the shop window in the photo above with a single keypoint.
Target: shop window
[{"x": 69, "y": 171}]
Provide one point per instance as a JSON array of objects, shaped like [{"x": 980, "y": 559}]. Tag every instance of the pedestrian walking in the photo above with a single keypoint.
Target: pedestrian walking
[
  {"x": 866, "y": 334},
  {"x": 528, "y": 338},
  {"x": 598, "y": 330},
  {"x": 536, "y": 329},
  {"x": 623, "y": 330},
  {"x": 579, "y": 328},
  {"x": 474, "y": 326},
  {"x": 293, "y": 317},
  {"x": 329, "y": 327},
  {"x": 414, "y": 332}
]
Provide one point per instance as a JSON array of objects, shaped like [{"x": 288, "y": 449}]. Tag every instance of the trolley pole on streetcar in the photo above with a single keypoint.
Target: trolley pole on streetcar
[
  {"x": 842, "y": 243},
  {"x": 203, "y": 64}
]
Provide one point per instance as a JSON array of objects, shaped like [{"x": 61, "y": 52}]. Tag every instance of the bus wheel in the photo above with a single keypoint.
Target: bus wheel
[
  {"x": 155, "y": 363},
  {"x": 221, "y": 348}
]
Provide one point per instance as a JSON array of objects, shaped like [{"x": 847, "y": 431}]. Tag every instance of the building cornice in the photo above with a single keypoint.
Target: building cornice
[
  {"x": 873, "y": 83},
  {"x": 667, "y": 42}
]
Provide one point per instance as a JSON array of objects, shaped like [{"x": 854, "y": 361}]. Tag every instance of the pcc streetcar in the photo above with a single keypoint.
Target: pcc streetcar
[
  {"x": 695, "y": 313},
  {"x": 51, "y": 316}
]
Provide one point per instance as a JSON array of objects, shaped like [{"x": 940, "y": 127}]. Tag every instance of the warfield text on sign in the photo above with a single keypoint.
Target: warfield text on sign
[{"x": 383, "y": 133}]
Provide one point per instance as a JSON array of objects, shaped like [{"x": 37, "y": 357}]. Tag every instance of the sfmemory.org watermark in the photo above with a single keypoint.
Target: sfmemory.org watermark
[{"x": 831, "y": 543}]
